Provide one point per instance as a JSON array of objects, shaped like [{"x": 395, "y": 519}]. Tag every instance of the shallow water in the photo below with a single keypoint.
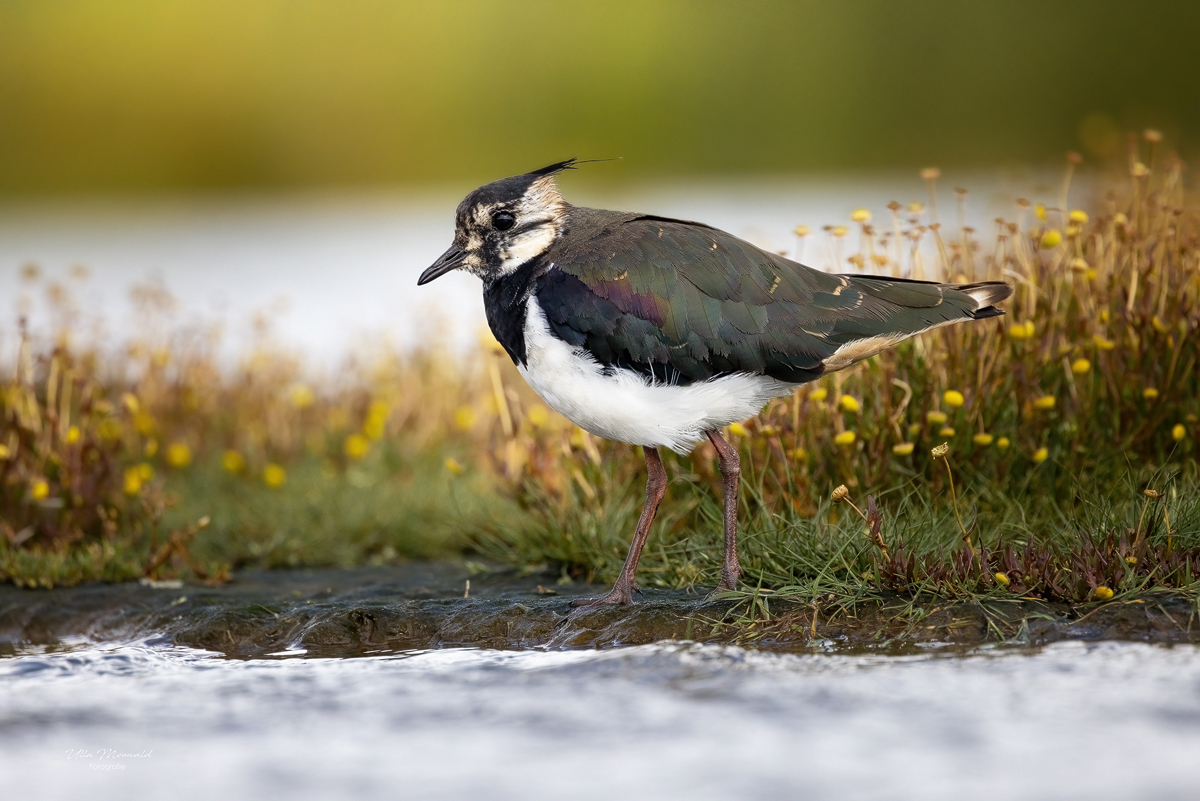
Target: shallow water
[
  {"x": 1071, "y": 720},
  {"x": 337, "y": 273}
]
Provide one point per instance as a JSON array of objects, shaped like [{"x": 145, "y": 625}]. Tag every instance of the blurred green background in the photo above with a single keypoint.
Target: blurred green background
[{"x": 139, "y": 95}]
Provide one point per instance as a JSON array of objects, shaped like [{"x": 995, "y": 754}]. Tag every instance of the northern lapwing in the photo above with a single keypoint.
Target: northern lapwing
[{"x": 660, "y": 332}]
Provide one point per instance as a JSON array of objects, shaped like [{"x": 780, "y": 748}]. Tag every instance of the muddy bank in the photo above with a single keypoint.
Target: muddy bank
[{"x": 418, "y": 606}]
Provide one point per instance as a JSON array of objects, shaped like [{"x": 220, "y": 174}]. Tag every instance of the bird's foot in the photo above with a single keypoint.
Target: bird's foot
[
  {"x": 728, "y": 584},
  {"x": 620, "y": 595}
]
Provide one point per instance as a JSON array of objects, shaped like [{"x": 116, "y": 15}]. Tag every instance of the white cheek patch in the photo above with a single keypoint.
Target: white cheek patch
[{"x": 528, "y": 245}]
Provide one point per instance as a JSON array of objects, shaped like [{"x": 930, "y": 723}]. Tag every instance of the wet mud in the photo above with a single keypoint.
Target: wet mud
[{"x": 422, "y": 605}]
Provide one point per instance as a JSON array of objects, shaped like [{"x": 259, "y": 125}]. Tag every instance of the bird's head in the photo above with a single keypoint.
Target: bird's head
[{"x": 503, "y": 225}]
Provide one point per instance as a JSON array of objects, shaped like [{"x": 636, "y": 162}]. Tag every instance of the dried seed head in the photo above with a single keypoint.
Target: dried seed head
[
  {"x": 1152, "y": 135},
  {"x": 840, "y": 493},
  {"x": 941, "y": 451},
  {"x": 1149, "y": 493},
  {"x": 1074, "y": 158},
  {"x": 930, "y": 174}
]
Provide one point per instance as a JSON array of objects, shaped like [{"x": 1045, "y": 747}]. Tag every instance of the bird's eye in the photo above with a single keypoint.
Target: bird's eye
[{"x": 503, "y": 220}]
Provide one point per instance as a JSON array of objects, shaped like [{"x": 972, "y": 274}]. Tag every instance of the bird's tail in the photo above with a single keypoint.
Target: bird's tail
[{"x": 986, "y": 295}]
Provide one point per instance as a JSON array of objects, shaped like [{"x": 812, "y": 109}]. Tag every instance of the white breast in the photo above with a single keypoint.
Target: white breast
[{"x": 628, "y": 407}]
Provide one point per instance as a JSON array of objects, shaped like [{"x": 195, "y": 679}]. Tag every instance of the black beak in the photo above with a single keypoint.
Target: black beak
[{"x": 452, "y": 259}]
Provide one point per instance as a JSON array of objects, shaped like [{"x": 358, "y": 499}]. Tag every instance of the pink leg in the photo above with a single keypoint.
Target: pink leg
[
  {"x": 656, "y": 488},
  {"x": 731, "y": 472}
]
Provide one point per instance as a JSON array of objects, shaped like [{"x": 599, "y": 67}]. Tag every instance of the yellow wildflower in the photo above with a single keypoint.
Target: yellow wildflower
[
  {"x": 1045, "y": 402},
  {"x": 454, "y": 466},
  {"x": 4, "y": 452},
  {"x": 39, "y": 490},
  {"x": 914, "y": 429},
  {"x": 145, "y": 471},
  {"x": 1041, "y": 455},
  {"x": 1159, "y": 325},
  {"x": 131, "y": 402},
  {"x": 144, "y": 422},
  {"x": 1102, "y": 593},
  {"x": 1078, "y": 216},
  {"x": 301, "y": 396},
  {"x": 982, "y": 440},
  {"x": 1051, "y": 239},
  {"x": 861, "y": 216},
  {"x": 849, "y": 404},
  {"x": 1102, "y": 343},
  {"x": 1003, "y": 443},
  {"x": 179, "y": 454},
  {"x": 937, "y": 418},
  {"x": 801, "y": 230},
  {"x": 133, "y": 481},
  {"x": 464, "y": 417},
  {"x": 1024, "y": 330},
  {"x": 356, "y": 446},
  {"x": 840, "y": 230},
  {"x": 952, "y": 398},
  {"x": 1040, "y": 211},
  {"x": 799, "y": 454},
  {"x": 1080, "y": 366},
  {"x": 902, "y": 448},
  {"x": 377, "y": 417},
  {"x": 1001, "y": 579},
  {"x": 151, "y": 448},
  {"x": 819, "y": 394},
  {"x": 946, "y": 431},
  {"x": 738, "y": 430},
  {"x": 1178, "y": 432},
  {"x": 1150, "y": 393},
  {"x": 373, "y": 427},
  {"x": 73, "y": 435},
  {"x": 845, "y": 438},
  {"x": 274, "y": 476},
  {"x": 233, "y": 461},
  {"x": 538, "y": 415}
]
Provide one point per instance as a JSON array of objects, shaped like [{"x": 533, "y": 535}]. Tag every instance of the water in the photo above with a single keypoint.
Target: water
[
  {"x": 337, "y": 272},
  {"x": 1071, "y": 720}
]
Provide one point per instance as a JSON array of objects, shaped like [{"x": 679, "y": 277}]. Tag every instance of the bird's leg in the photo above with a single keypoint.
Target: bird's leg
[
  {"x": 731, "y": 472},
  {"x": 656, "y": 487}
]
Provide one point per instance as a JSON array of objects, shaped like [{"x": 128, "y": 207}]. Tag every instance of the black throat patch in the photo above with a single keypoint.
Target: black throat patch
[{"x": 505, "y": 301}]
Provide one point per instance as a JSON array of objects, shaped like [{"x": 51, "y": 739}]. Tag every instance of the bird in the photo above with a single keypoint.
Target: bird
[{"x": 661, "y": 332}]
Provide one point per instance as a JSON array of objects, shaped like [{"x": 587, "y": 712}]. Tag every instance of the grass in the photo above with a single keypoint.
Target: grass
[{"x": 1057, "y": 419}]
